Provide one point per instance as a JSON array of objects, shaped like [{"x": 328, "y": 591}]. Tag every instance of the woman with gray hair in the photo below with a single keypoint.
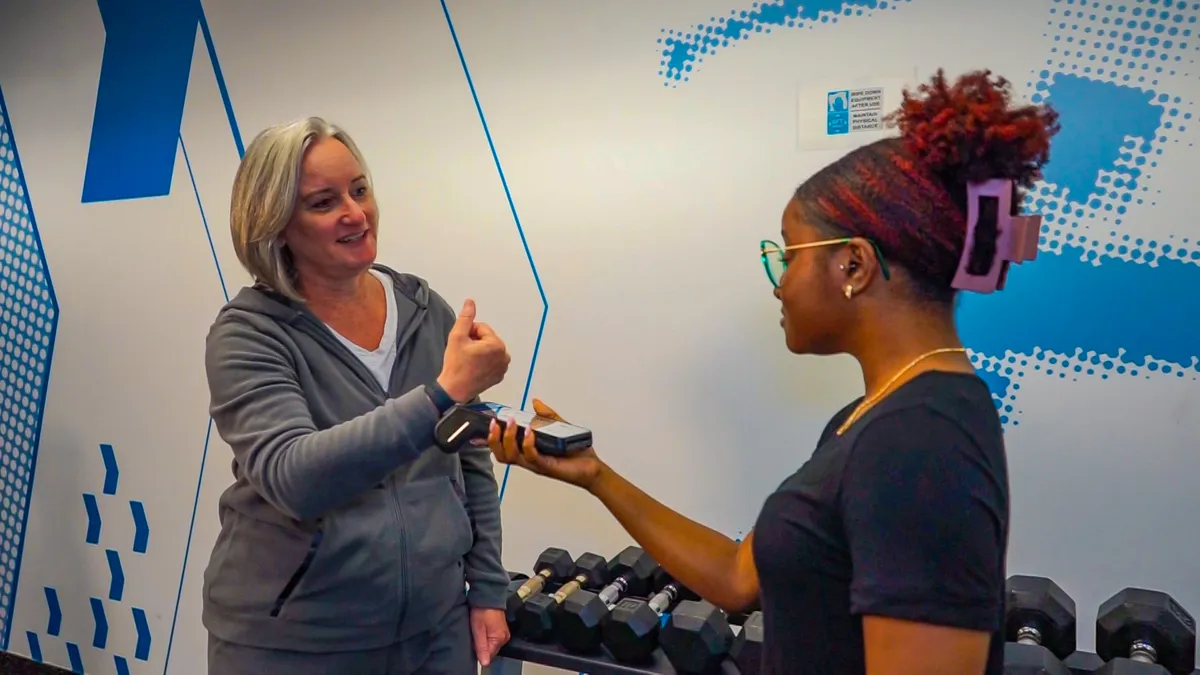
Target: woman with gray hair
[{"x": 347, "y": 544}]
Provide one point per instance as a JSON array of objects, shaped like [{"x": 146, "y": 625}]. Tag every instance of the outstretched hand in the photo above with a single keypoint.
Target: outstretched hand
[{"x": 580, "y": 468}]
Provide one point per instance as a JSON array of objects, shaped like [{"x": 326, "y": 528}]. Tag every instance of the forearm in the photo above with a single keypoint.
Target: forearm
[
  {"x": 305, "y": 472},
  {"x": 702, "y": 559},
  {"x": 484, "y": 567}
]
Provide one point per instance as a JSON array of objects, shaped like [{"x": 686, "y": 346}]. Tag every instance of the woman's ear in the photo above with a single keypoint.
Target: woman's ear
[{"x": 858, "y": 265}]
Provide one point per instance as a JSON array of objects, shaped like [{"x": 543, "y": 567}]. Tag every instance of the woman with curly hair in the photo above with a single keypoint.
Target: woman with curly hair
[{"x": 885, "y": 551}]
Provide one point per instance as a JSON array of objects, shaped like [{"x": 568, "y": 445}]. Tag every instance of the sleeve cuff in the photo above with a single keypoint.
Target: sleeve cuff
[{"x": 487, "y": 595}]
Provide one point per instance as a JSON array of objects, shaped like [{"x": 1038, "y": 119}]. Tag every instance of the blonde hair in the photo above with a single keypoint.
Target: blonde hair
[{"x": 264, "y": 197}]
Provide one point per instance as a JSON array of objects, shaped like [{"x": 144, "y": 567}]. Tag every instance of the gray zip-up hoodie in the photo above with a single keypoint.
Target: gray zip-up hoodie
[{"x": 346, "y": 527}]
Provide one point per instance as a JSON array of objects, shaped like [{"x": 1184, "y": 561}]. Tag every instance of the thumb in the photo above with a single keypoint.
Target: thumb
[
  {"x": 466, "y": 319},
  {"x": 545, "y": 410},
  {"x": 482, "y": 653}
]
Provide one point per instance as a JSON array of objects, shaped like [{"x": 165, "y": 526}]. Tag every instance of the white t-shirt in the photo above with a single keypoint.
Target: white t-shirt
[{"x": 380, "y": 360}]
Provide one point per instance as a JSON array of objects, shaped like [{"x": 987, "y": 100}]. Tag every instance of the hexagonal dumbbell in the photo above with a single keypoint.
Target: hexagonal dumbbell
[
  {"x": 747, "y": 647},
  {"x": 696, "y": 637},
  {"x": 630, "y": 630},
  {"x": 554, "y": 565},
  {"x": 1140, "y": 631},
  {"x": 577, "y": 622},
  {"x": 1039, "y": 626},
  {"x": 535, "y": 618}
]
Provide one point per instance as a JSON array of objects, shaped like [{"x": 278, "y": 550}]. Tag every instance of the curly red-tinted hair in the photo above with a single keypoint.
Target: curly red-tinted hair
[{"x": 908, "y": 194}]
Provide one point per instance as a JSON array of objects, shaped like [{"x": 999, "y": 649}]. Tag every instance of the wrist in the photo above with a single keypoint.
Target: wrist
[
  {"x": 452, "y": 389},
  {"x": 601, "y": 483}
]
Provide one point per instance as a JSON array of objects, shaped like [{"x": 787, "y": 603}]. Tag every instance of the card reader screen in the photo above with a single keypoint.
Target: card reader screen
[{"x": 542, "y": 425}]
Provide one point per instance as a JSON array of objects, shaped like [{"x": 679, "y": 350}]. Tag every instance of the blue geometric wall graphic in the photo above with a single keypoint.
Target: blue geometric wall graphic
[
  {"x": 28, "y": 325},
  {"x": 100, "y": 635},
  {"x": 237, "y": 141},
  {"x": 142, "y": 627},
  {"x": 1103, "y": 74},
  {"x": 116, "y": 576},
  {"x": 53, "y": 612},
  {"x": 537, "y": 345},
  {"x": 112, "y": 473},
  {"x": 93, "y": 518},
  {"x": 141, "y": 527},
  {"x": 35, "y": 646},
  {"x": 139, "y": 102},
  {"x": 100, "y": 623},
  {"x": 75, "y": 657}
]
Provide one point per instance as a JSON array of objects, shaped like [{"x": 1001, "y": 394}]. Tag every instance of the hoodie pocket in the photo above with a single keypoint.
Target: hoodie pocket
[
  {"x": 353, "y": 570},
  {"x": 437, "y": 528},
  {"x": 252, "y": 562},
  {"x": 345, "y": 573}
]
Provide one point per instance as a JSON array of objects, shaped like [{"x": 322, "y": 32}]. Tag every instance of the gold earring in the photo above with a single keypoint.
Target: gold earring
[{"x": 849, "y": 291}]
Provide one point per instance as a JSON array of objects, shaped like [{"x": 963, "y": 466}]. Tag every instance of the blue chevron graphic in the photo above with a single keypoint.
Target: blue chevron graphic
[
  {"x": 35, "y": 646},
  {"x": 116, "y": 585},
  {"x": 93, "y": 518},
  {"x": 684, "y": 50},
  {"x": 29, "y": 315},
  {"x": 537, "y": 345},
  {"x": 142, "y": 651},
  {"x": 54, "y": 612},
  {"x": 75, "y": 657},
  {"x": 121, "y": 665},
  {"x": 139, "y": 101},
  {"x": 100, "y": 635},
  {"x": 111, "y": 472},
  {"x": 141, "y": 528}
]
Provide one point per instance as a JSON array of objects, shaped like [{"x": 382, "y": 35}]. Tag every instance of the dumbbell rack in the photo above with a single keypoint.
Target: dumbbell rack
[{"x": 519, "y": 651}]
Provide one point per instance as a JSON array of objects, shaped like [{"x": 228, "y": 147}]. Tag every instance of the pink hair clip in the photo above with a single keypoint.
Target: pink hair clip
[{"x": 989, "y": 205}]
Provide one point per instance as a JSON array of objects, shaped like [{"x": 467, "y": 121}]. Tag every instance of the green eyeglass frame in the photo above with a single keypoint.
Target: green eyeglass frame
[{"x": 773, "y": 256}]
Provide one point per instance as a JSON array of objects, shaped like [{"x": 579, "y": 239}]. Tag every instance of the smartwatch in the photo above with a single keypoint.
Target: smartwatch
[{"x": 441, "y": 400}]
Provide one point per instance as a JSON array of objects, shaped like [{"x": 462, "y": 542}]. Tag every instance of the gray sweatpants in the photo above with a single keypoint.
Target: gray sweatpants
[{"x": 447, "y": 650}]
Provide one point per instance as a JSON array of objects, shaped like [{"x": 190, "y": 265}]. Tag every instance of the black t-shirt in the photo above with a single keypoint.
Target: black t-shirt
[{"x": 904, "y": 516}]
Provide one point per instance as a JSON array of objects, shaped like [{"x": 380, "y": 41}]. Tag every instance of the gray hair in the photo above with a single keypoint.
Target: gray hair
[{"x": 264, "y": 197}]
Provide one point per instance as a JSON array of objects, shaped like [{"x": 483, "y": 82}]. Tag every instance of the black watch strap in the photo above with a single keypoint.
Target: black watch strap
[{"x": 441, "y": 400}]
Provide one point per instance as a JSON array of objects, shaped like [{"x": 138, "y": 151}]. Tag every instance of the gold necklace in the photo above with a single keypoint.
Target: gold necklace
[{"x": 873, "y": 399}]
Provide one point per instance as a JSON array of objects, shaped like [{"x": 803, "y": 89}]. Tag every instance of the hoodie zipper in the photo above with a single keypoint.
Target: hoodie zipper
[
  {"x": 409, "y": 332},
  {"x": 324, "y": 334}
]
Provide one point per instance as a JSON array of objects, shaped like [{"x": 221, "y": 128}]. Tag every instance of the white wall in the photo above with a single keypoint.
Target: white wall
[{"x": 613, "y": 166}]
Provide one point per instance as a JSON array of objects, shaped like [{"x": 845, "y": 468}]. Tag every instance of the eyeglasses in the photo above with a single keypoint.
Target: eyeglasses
[{"x": 775, "y": 264}]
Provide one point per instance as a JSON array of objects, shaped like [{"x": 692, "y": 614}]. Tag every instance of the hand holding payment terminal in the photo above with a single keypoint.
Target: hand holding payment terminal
[{"x": 465, "y": 423}]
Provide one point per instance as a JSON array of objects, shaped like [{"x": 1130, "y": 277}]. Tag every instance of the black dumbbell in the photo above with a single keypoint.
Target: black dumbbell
[
  {"x": 553, "y": 565},
  {"x": 630, "y": 630},
  {"x": 696, "y": 637},
  {"x": 535, "y": 618},
  {"x": 577, "y": 622},
  {"x": 514, "y": 582},
  {"x": 747, "y": 647},
  {"x": 1039, "y": 626},
  {"x": 1143, "y": 631}
]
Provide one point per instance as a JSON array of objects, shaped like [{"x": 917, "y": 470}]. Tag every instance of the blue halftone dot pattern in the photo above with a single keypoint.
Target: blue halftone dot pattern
[
  {"x": 1097, "y": 303},
  {"x": 683, "y": 50},
  {"x": 1107, "y": 71},
  {"x": 28, "y": 319},
  {"x": 1092, "y": 305}
]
